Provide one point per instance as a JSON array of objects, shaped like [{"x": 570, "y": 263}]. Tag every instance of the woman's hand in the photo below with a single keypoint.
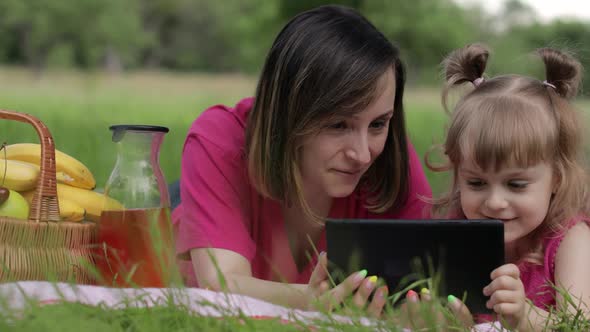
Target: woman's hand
[
  {"x": 418, "y": 312},
  {"x": 507, "y": 297},
  {"x": 320, "y": 294}
]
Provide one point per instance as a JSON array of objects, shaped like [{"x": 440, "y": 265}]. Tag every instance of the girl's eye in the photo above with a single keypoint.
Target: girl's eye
[
  {"x": 475, "y": 183},
  {"x": 517, "y": 184},
  {"x": 338, "y": 125}
]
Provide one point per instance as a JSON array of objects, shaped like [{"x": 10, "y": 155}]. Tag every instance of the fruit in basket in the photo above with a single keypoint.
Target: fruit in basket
[
  {"x": 93, "y": 202},
  {"x": 14, "y": 204},
  {"x": 61, "y": 177},
  {"x": 75, "y": 173},
  {"x": 68, "y": 210},
  {"x": 18, "y": 175}
]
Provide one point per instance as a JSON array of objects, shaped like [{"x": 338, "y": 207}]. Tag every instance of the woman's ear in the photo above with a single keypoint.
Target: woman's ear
[{"x": 557, "y": 178}]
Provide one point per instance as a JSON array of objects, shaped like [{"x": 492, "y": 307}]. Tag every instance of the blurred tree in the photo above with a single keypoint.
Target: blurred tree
[
  {"x": 426, "y": 30},
  {"x": 290, "y": 8},
  {"x": 516, "y": 13},
  {"x": 98, "y": 30},
  {"x": 234, "y": 35},
  {"x": 208, "y": 35}
]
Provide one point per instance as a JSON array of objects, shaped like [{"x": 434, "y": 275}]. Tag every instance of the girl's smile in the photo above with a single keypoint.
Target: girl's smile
[{"x": 518, "y": 196}]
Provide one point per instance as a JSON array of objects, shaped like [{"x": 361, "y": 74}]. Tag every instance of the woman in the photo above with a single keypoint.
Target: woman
[{"x": 324, "y": 137}]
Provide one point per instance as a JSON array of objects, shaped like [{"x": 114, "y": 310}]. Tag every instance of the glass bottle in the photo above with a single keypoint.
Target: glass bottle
[{"x": 135, "y": 237}]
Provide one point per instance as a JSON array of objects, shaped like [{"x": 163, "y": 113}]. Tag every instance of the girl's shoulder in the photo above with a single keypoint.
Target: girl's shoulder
[{"x": 577, "y": 230}]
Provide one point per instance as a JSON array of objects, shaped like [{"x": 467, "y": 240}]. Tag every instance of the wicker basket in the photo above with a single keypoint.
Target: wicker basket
[{"x": 43, "y": 247}]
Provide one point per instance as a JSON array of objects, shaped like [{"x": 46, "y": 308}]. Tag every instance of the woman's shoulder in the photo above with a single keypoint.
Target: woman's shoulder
[{"x": 223, "y": 125}]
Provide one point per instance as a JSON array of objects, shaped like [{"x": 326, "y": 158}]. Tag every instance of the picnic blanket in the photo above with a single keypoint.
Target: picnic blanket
[{"x": 199, "y": 301}]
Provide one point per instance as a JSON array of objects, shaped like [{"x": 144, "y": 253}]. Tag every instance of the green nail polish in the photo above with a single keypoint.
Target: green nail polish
[
  {"x": 451, "y": 298},
  {"x": 363, "y": 273}
]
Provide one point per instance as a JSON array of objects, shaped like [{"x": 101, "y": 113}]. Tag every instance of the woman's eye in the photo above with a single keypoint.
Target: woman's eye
[
  {"x": 517, "y": 184},
  {"x": 338, "y": 125},
  {"x": 378, "y": 125}
]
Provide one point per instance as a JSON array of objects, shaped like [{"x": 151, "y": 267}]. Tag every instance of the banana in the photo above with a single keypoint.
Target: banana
[
  {"x": 18, "y": 176},
  {"x": 61, "y": 177},
  {"x": 93, "y": 202},
  {"x": 68, "y": 210},
  {"x": 74, "y": 173}
]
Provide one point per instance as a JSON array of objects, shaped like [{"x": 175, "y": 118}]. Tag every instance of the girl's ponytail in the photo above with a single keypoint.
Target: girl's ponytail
[
  {"x": 562, "y": 71},
  {"x": 466, "y": 64}
]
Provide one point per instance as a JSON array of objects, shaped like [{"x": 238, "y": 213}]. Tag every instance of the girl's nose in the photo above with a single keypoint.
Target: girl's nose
[{"x": 496, "y": 201}]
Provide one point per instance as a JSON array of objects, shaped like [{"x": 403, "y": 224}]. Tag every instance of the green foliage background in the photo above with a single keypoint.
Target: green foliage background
[{"x": 234, "y": 35}]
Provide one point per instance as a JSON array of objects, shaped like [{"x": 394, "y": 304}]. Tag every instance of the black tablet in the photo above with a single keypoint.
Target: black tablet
[{"x": 460, "y": 254}]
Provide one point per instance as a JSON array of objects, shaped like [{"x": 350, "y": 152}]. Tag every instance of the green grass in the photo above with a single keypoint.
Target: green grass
[{"x": 78, "y": 108}]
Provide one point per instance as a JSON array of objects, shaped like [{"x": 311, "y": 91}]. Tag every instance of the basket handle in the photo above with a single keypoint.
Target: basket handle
[{"x": 44, "y": 206}]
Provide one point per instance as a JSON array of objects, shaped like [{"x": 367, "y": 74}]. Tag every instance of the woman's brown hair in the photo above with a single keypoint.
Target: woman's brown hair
[
  {"x": 517, "y": 119},
  {"x": 326, "y": 62}
]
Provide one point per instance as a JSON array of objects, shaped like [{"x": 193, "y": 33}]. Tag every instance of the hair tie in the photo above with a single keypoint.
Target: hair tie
[
  {"x": 478, "y": 81},
  {"x": 549, "y": 85}
]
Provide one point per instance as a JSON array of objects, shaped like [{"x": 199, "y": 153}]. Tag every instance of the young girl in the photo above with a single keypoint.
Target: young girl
[
  {"x": 514, "y": 146},
  {"x": 323, "y": 137}
]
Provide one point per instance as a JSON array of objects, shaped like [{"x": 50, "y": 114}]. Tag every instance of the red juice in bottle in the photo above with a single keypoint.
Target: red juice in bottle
[{"x": 135, "y": 248}]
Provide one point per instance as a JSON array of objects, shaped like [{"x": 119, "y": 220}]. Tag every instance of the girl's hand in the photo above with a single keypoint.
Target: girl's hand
[
  {"x": 356, "y": 285},
  {"x": 507, "y": 297}
]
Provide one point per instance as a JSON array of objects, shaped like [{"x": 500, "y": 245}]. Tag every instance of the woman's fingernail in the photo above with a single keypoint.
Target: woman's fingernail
[
  {"x": 383, "y": 293},
  {"x": 372, "y": 281},
  {"x": 411, "y": 295},
  {"x": 360, "y": 275},
  {"x": 322, "y": 254},
  {"x": 424, "y": 291},
  {"x": 451, "y": 299}
]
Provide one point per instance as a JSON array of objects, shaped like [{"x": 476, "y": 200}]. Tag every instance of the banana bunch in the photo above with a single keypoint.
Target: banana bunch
[
  {"x": 77, "y": 204},
  {"x": 68, "y": 210},
  {"x": 75, "y": 182},
  {"x": 17, "y": 175},
  {"x": 68, "y": 169}
]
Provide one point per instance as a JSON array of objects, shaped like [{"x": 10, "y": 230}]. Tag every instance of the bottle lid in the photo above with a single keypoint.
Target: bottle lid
[{"x": 119, "y": 130}]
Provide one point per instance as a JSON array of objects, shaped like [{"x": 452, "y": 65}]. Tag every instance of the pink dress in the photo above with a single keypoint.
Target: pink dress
[
  {"x": 220, "y": 209},
  {"x": 538, "y": 279}
]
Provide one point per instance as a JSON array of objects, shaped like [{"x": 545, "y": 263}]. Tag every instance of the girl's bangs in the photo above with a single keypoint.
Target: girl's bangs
[{"x": 506, "y": 132}]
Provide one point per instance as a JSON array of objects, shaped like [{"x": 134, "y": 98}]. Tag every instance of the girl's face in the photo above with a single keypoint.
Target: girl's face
[
  {"x": 518, "y": 196},
  {"x": 333, "y": 161}
]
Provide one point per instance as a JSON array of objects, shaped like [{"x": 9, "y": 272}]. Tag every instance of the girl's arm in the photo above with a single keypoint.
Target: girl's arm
[
  {"x": 572, "y": 275},
  {"x": 572, "y": 270}
]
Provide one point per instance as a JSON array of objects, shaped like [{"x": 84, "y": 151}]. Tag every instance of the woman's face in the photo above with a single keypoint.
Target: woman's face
[{"x": 334, "y": 160}]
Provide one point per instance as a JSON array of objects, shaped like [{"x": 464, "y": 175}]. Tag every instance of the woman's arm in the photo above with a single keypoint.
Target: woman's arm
[
  {"x": 221, "y": 270},
  {"x": 225, "y": 270}
]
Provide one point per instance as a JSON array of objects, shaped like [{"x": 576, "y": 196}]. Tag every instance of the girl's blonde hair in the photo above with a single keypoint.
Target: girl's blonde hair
[{"x": 521, "y": 120}]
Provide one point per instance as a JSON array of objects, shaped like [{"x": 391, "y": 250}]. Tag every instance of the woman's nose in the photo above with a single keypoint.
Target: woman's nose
[{"x": 358, "y": 149}]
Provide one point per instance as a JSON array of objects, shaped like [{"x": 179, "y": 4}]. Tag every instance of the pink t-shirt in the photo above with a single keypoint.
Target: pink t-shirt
[{"x": 220, "y": 209}]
